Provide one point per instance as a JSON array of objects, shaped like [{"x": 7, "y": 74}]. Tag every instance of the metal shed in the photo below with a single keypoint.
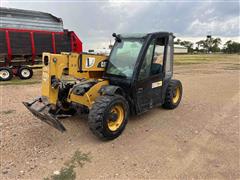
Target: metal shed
[{"x": 178, "y": 49}]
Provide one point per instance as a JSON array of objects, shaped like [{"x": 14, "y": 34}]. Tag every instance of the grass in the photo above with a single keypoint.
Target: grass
[
  {"x": 7, "y": 112},
  {"x": 20, "y": 82},
  {"x": 37, "y": 77},
  {"x": 203, "y": 58},
  {"x": 68, "y": 171}
]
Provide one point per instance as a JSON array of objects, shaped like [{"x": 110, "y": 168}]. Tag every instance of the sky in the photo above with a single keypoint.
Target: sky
[{"x": 95, "y": 21}]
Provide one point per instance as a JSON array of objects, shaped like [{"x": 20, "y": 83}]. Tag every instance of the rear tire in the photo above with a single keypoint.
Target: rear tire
[
  {"x": 108, "y": 117},
  {"x": 25, "y": 72},
  {"x": 173, "y": 94},
  {"x": 6, "y": 74}
]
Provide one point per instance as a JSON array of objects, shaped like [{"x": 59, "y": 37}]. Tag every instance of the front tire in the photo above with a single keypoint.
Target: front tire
[
  {"x": 173, "y": 94},
  {"x": 108, "y": 117}
]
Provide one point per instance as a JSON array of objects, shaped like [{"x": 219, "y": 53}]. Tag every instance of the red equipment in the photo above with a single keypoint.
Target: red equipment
[
  {"x": 25, "y": 35},
  {"x": 54, "y": 42}
]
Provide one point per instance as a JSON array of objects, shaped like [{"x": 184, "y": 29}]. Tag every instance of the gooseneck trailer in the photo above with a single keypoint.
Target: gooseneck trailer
[{"x": 25, "y": 35}]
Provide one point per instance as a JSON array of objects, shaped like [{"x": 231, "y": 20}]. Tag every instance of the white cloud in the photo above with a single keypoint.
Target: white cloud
[
  {"x": 126, "y": 8},
  {"x": 94, "y": 22},
  {"x": 209, "y": 11},
  {"x": 124, "y": 12},
  {"x": 215, "y": 26}
]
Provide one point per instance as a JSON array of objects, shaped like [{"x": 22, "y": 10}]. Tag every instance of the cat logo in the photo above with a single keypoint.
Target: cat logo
[
  {"x": 103, "y": 64},
  {"x": 90, "y": 62}
]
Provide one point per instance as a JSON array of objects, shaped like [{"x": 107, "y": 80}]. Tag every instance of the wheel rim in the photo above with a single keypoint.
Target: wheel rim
[
  {"x": 25, "y": 73},
  {"x": 118, "y": 111},
  {"x": 4, "y": 74},
  {"x": 176, "y": 95}
]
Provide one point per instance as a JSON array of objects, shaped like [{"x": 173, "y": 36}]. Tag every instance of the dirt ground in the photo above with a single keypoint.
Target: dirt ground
[{"x": 199, "y": 139}]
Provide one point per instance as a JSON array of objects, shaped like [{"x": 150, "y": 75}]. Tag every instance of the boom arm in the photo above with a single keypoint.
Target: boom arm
[{"x": 80, "y": 66}]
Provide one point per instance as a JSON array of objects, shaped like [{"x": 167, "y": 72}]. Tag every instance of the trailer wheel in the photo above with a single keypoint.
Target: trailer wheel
[
  {"x": 6, "y": 74},
  {"x": 25, "y": 72}
]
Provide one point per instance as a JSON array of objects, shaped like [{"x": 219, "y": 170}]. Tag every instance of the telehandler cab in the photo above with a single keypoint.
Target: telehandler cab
[{"x": 136, "y": 77}]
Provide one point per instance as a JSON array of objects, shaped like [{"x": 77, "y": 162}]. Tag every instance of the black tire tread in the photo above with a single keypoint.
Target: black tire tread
[
  {"x": 96, "y": 115},
  {"x": 168, "y": 104}
]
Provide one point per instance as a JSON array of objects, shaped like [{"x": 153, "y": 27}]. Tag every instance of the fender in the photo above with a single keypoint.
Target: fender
[{"x": 111, "y": 90}]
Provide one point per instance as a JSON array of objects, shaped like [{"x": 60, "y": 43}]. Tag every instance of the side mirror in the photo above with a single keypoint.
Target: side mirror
[{"x": 118, "y": 39}]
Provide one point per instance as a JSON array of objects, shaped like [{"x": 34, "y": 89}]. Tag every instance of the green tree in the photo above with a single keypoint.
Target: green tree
[
  {"x": 178, "y": 41},
  {"x": 209, "y": 44},
  {"x": 202, "y": 44},
  {"x": 231, "y": 47},
  {"x": 188, "y": 45},
  {"x": 198, "y": 43},
  {"x": 215, "y": 44}
]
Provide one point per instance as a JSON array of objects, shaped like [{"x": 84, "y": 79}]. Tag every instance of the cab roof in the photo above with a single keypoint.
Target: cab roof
[{"x": 143, "y": 35}]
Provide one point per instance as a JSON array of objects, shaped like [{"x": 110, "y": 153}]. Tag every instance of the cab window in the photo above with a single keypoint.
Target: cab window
[
  {"x": 146, "y": 65},
  {"x": 123, "y": 57},
  {"x": 153, "y": 60},
  {"x": 157, "y": 63}
]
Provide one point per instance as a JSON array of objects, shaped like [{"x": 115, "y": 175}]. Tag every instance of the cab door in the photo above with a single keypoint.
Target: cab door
[{"x": 150, "y": 79}]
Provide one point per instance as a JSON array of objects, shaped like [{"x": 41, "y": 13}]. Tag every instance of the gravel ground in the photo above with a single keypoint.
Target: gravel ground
[{"x": 199, "y": 139}]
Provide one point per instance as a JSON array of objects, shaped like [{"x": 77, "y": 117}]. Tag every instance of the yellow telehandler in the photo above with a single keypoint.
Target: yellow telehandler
[{"x": 136, "y": 77}]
